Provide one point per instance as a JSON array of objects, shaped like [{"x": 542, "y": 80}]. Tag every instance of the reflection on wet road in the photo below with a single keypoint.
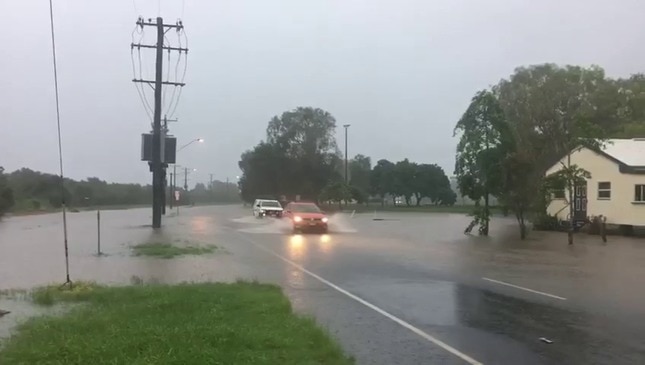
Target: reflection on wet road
[{"x": 489, "y": 299}]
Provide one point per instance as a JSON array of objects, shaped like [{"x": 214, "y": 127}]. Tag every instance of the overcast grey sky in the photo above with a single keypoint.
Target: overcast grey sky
[{"x": 400, "y": 72}]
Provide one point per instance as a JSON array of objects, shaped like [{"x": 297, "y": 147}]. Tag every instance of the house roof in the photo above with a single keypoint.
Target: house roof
[{"x": 629, "y": 152}]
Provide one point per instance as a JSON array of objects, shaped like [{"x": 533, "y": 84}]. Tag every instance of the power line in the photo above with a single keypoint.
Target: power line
[
  {"x": 60, "y": 146},
  {"x": 140, "y": 91},
  {"x": 134, "y": 3},
  {"x": 183, "y": 77},
  {"x": 174, "y": 100},
  {"x": 165, "y": 91}
]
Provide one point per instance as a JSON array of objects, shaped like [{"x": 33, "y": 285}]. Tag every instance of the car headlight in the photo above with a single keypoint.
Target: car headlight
[
  {"x": 297, "y": 219},
  {"x": 324, "y": 220}
]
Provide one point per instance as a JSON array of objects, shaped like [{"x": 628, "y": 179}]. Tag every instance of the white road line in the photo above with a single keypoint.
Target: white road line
[
  {"x": 523, "y": 288},
  {"x": 394, "y": 318}
]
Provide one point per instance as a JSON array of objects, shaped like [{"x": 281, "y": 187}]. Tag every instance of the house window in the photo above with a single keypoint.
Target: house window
[
  {"x": 604, "y": 190},
  {"x": 639, "y": 193}
]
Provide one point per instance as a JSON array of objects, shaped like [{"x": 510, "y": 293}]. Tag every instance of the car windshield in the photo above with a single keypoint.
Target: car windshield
[
  {"x": 305, "y": 208},
  {"x": 271, "y": 204}
]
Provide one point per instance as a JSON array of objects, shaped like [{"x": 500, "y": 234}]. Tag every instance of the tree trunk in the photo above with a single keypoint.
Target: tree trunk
[
  {"x": 571, "y": 185},
  {"x": 418, "y": 196},
  {"x": 520, "y": 220},
  {"x": 485, "y": 218},
  {"x": 603, "y": 231}
]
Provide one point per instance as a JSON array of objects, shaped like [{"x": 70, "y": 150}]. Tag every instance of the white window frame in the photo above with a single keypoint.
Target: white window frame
[{"x": 608, "y": 190}]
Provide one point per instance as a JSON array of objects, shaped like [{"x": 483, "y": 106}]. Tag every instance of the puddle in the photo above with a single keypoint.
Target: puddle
[{"x": 21, "y": 309}]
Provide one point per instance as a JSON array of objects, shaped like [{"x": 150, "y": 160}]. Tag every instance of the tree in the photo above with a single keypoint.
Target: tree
[
  {"x": 6, "y": 194},
  {"x": 382, "y": 179},
  {"x": 360, "y": 168},
  {"x": 430, "y": 181},
  {"x": 550, "y": 110},
  {"x": 446, "y": 196},
  {"x": 299, "y": 156},
  {"x": 336, "y": 192},
  {"x": 481, "y": 148},
  {"x": 265, "y": 171},
  {"x": 404, "y": 177}
]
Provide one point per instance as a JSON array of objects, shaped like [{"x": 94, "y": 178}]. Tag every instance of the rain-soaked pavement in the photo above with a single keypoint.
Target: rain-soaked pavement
[{"x": 408, "y": 289}]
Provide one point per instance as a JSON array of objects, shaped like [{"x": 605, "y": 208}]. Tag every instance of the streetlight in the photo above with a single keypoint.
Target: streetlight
[
  {"x": 173, "y": 178},
  {"x": 346, "y": 126},
  {"x": 200, "y": 140}
]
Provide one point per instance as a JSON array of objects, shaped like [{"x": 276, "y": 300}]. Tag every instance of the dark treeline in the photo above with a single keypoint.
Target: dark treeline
[
  {"x": 300, "y": 158},
  {"x": 28, "y": 190},
  {"x": 512, "y": 133}
]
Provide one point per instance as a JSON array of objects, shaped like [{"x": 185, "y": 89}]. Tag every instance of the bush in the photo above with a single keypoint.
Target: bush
[{"x": 547, "y": 222}]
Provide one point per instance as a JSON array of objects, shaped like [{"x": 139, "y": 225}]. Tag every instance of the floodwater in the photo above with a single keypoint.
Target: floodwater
[{"x": 491, "y": 298}]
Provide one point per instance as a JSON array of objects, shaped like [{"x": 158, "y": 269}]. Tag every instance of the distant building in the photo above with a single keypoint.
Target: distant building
[{"x": 616, "y": 188}]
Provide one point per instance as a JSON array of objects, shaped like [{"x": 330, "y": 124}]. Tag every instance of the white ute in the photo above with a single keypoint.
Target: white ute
[{"x": 263, "y": 207}]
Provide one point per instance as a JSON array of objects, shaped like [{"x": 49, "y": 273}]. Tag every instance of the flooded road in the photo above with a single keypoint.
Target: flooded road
[{"x": 404, "y": 289}]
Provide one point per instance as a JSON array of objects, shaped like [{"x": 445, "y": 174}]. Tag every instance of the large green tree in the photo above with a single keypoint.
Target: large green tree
[
  {"x": 404, "y": 179},
  {"x": 382, "y": 179},
  {"x": 360, "y": 168},
  {"x": 550, "y": 110},
  {"x": 299, "y": 156},
  {"x": 483, "y": 143},
  {"x": 430, "y": 181}
]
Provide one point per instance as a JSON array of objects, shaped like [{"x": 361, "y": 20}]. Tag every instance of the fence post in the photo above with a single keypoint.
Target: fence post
[{"x": 98, "y": 231}]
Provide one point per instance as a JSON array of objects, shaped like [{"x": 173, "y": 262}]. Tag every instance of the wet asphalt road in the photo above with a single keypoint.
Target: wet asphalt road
[{"x": 410, "y": 289}]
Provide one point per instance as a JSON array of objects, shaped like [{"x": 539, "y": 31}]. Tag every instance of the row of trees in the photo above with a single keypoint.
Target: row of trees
[
  {"x": 300, "y": 157},
  {"x": 6, "y": 194},
  {"x": 512, "y": 133},
  {"x": 27, "y": 190}
]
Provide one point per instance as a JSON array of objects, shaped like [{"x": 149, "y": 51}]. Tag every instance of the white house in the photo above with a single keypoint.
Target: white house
[{"x": 616, "y": 188}]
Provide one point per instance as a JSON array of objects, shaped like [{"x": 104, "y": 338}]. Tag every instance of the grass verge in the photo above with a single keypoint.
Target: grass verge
[
  {"x": 168, "y": 250},
  {"x": 241, "y": 323}
]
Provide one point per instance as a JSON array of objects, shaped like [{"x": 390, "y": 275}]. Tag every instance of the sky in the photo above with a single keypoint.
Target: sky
[{"x": 401, "y": 72}]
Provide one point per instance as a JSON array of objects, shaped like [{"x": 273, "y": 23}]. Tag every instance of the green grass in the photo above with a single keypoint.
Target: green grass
[
  {"x": 78, "y": 292},
  {"x": 241, "y": 323},
  {"x": 168, "y": 250}
]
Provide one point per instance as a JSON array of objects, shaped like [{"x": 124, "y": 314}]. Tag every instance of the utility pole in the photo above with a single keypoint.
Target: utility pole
[
  {"x": 211, "y": 185},
  {"x": 186, "y": 178},
  {"x": 346, "y": 126},
  {"x": 186, "y": 184},
  {"x": 158, "y": 134}
]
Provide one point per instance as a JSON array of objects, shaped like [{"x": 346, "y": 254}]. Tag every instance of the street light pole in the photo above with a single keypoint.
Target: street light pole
[
  {"x": 346, "y": 126},
  {"x": 173, "y": 184},
  {"x": 173, "y": 180}
]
